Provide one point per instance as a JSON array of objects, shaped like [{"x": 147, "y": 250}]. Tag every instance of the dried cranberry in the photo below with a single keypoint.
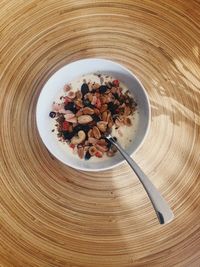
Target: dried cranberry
[
  {"x": 116, "y": 83},
  {"x": 65, "y": 125}
]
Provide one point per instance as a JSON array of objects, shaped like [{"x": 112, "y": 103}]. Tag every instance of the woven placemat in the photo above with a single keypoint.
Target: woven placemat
[{"x": 52, "y": 215}]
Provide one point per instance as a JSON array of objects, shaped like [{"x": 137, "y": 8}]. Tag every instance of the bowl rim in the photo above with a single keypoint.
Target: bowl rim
[{"x": 148, "y": 110}]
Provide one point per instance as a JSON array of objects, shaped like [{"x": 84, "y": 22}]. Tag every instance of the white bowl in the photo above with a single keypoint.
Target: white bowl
[{"x": 70, "y": 72}]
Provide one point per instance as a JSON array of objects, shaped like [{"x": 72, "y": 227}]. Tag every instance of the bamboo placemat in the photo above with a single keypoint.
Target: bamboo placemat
[{"x": 52, "y": 215}]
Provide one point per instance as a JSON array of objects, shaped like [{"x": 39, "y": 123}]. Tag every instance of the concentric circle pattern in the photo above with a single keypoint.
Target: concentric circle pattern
[{"x": 52, "y": 215}]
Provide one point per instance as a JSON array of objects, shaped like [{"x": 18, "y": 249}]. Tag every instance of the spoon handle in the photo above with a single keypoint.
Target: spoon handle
[{"x": 162, "y": 209}]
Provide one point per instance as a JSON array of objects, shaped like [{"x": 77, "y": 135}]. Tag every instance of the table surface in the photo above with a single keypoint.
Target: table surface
[{"x": 52, "y": 215}]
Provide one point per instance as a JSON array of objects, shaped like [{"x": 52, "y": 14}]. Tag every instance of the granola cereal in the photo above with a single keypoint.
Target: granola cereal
[{"x": 83, "y": 116}]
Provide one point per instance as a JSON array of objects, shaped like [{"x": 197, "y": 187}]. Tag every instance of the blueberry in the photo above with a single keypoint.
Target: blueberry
[
  {"x": 52, "y": 114},
  {"x": 67, "y": 135},
  {"x": 102, "y": 89},
  {"x": 87, "y": 155},
  {"x": 84, "y": 89}
]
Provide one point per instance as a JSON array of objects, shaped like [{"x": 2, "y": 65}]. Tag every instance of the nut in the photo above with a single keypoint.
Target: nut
[
  {"x": 94, "y": 100},
  {"x": 96, "y": 111},
  {"x": 110, "y": 153},
  {"x": 84, "y": 119},
  {"x": 95, "y": 86},
  {"x": 119, "y": 122},
  {"x": 79, "y": 103},
  {"x": 127, "y": 111},
  {"x": 70, "y": 118},
  {"x": 79, "y": 138},
  {"x": 92, "y": 140},
  {"x": 90, "y": 96},
  {"x": 66, "y": 88},
  {"x": 92, "y": 150},
  {"x": 103, "y": 99},
  {"x": 102, "y": 142},
  {"x": 90, "y": 133},
  {"x": 102, "y": 125},
  {"x": 110, "y": 124},
  {"x": 103, "y": 108},
  {"x": 79, "y": 95},
  {"x": 101, "y": 148},
  {"x": 80, "y": 152},
  {"x": 104, "y": 115},
  {"x": 88, "y": 111},
  {"x": 127, "y": 121},
  {"x": 96, "y": 132},
  {"x": 108, "y": 116},
  {"x": 113, "y": 90},
  {"x": 79, "y": 113},
  {"x": 71, "y": 95},
  {"x": 70, "y": 129}
]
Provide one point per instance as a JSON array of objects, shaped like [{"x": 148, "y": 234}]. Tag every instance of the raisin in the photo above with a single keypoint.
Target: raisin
[
  {"x": 87, "y": 155},
  {"x": 52, "y": 114},
  {"x": 84, "y": 89},
  {"x": 102, "y": 89}
]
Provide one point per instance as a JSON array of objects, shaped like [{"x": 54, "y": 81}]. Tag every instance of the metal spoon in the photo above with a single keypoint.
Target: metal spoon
[{"x": 162, "y": 209}]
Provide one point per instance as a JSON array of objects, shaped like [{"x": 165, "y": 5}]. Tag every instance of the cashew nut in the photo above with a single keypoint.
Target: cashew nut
[{"x": 78, "y": 139}]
